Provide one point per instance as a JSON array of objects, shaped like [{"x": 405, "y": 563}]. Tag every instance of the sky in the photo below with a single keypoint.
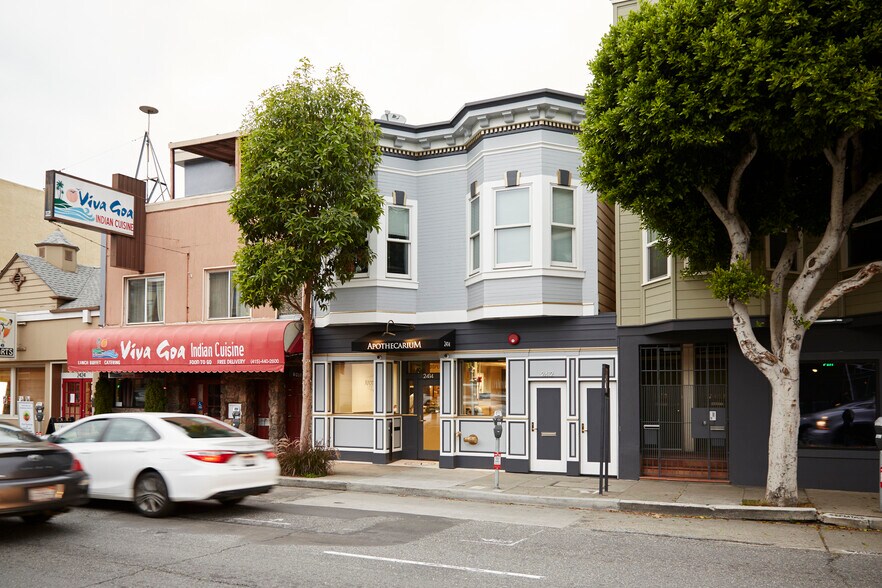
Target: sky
[{"x": 73, "y": 73}]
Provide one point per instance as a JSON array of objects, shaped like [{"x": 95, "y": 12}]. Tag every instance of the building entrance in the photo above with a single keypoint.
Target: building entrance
[{"x": 423, "y": 410}]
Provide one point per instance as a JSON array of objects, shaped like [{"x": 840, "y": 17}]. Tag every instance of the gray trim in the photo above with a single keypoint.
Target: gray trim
[
  {"x": 573, "y": 431},
  {"x": 446, "y": 435},
  {"x": 379, "y": 434},
  {"x": 516, "y": 466},
  {"x": 573, "y": 409},
  {"x": 343, "y": 442},
  {"x": 576, "y": 99},
  {"x": 319, "y": 433},
  {"x": 379, "y": 388},
  {"x": 517, "y": 438},
  {"x": 517, "y": 387},
  {"x": 319, "y": 387},
  {"x": 547, "y": 368},
  {"x": 573, "y": 468},
  {"x": 592, "y": 367},
  {"x": 390, "y": 381},
  {"x": 447, "y": 376}
]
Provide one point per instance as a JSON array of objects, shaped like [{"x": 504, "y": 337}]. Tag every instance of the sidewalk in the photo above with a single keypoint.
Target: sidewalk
[{"x": 413, "y": 478}]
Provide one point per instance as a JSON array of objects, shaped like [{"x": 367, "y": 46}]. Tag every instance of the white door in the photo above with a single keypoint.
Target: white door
[
  {"x": 588, "y": 438},
  {"x": 547, "y": 430}
]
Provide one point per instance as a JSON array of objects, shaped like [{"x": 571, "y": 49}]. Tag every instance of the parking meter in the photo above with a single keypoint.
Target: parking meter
[
  {"x": 497, "y": 455},
  {"x": 39, "y": 410},
  {"x": 237, "y": 417}
]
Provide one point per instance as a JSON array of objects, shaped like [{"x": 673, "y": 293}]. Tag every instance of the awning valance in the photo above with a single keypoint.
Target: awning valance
[
  {"x": 257, "y": 346},
  {"x": 414, "y": 341}
]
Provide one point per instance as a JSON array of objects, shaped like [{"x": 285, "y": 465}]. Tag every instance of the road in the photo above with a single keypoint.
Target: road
[{"x": 298, "y": 537}]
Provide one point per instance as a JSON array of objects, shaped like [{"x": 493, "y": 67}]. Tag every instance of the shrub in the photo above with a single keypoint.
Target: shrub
[
  {"x": 154, "y": 397},
  {"x": 307, "y": 462},
  {"x": 103, "y": 401}
]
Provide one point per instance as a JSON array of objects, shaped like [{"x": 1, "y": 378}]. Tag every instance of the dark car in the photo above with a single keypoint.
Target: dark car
[
  {"x": 38, "y": 479},
  {"x": 845, "y": 424}
]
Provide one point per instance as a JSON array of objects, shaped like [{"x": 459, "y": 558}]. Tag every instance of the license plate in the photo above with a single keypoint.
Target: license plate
[
  {"x": 248, "y": 459},
  {"x": 41, "y": 494}
]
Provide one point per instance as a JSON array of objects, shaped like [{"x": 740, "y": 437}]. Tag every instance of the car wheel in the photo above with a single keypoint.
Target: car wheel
[
  {"x": 37, "y": 517},
  {"x": 151, "y": 496},
  {"x": 231, "y": 501}
]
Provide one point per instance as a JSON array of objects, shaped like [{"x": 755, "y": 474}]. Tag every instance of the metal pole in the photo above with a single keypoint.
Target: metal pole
[{"x": 496, "y": 469}]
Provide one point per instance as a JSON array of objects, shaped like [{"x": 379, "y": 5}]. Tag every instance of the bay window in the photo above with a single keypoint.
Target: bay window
[
  {"x": 513, "y": 227},
  {"x": 655, "y": 262},
  {"x": 563, "y": 225},
  {"x": 475, "y": 234},
  {"x": 398, "y": 241}
]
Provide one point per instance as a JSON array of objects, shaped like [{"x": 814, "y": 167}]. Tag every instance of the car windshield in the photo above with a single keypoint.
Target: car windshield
[
  {"x": 201, "y": 428},
  {"x": 10, "y": 434}
]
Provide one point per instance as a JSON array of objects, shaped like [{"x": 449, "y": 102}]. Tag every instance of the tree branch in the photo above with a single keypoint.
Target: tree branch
[
  {"x": 738, "y": 174},
  {"x": 864, "y": 275},
  {"x": 750, "y": 346},
  {"x": 776, "y": 294}
]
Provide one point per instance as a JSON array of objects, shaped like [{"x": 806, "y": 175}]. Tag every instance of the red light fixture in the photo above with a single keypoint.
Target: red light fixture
[{"x": 514, "y": 339}]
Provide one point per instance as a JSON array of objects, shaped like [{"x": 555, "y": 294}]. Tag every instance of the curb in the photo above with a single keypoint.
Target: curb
[{"x": 730, "y": 512}]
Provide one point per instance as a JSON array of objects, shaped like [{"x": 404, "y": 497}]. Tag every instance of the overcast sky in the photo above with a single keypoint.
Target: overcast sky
[{"x": 74, "y": 72}]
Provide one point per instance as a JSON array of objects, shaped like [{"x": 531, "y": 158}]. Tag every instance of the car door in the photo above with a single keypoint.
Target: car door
[
  {"x": 125, "y": 449},
  {"x": 82, "y": 439}
]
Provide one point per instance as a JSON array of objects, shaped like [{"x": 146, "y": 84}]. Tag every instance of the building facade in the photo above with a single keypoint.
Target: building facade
[
  {"x": 491, "y": 291},
  {"x": 47, "y": 296},
  {"x": 178, "y": 318}
]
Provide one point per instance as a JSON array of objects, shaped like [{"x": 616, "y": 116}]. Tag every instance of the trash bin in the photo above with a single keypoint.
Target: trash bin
[{"x": 878, "y": 426}]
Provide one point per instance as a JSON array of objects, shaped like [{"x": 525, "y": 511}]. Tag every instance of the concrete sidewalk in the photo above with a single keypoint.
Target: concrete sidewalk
[{"x": 714, "y": 500}]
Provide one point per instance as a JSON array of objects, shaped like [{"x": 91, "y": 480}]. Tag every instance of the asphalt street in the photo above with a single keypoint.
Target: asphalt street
[{"x": 305, "y": 537}]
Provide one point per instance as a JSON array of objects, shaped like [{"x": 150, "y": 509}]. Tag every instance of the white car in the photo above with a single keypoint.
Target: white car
[{"x": 157, "y": 459}]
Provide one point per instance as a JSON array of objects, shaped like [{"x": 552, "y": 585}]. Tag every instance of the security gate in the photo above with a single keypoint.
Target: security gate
[{"x": 683, "y": 412}]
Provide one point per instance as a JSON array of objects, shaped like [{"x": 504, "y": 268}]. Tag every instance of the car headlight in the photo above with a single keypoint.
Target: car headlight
[{"x": 821, "y": 423}]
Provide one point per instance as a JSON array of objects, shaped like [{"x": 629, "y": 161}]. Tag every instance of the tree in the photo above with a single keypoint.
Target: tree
[
  {"x": 102, "y": 401},
  {"x": 154, "y": 396},
  {"x": 306, "y": 199},
  {"x": 719, "y": 122}
]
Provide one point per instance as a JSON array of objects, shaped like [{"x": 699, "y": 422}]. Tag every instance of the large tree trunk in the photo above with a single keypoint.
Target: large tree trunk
[
  {"x": 781, "y": 482},
  {"x": 306, "y": 413}
]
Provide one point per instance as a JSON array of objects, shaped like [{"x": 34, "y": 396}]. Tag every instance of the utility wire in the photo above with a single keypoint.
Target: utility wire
[{"x": 99, "y": 154}]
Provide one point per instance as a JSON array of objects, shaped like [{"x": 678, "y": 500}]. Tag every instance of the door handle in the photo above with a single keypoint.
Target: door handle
[
  {"x": 532, "y": 426},
  {"x": 583, "y": 427}
]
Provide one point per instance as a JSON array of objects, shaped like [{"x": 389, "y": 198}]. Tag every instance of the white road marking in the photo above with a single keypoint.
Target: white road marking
[
  {"x": 435, "y": 565},
  {"x": 502, "y": 542},
  {"x": 260, "y": 522}
]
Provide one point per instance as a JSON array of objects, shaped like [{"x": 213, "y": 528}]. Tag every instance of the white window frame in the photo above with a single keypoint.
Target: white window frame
[
  {"x": 409, "y": 242},
  {"x": 474, "y": 247},
  {"x": 647, "y": 244},
  {"x": 528, "y": 225},
  {"x": 574, "y": 249},
  {"x": 207, "y": 306},
  {"x": 152, "y": 278}
]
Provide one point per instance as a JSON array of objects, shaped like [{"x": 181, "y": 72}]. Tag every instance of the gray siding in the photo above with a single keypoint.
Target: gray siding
[{"x": 208, "y": 176}]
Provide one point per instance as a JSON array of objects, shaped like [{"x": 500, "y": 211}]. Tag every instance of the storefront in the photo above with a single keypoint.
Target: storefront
[
  {"x": 206, "y": 369},
  {"x": 430, "y": 393}
]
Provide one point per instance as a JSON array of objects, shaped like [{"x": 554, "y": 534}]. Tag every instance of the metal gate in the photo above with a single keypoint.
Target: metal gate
[{"x": 683, "y": 412}]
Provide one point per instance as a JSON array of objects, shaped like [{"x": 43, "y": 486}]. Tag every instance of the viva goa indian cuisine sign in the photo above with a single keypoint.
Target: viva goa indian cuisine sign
[
  {"x": 254, "y": 347},
  {"x": 78, "y": 202}
]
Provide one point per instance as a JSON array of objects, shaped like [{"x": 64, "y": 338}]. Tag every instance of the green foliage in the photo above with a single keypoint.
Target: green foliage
[
  {"x": 737, "y": 282},
  {"x": 680, "y": 87},
  {"x": 102, "y": 401},
  {"x": 305, "y": 461},
  {"x": 306, "y": 200},
  {"x": 154, "y": 397}
]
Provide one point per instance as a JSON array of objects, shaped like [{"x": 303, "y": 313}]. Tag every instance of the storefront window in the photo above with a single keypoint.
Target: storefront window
[
  {"x": 130, "y": 393},
  {"x": 6, "y": 404},
  {"x": 31, "y": 383},
  {"x": 482, "y": 387},
  {"x": 838, "y": 404},
  {"x": 354, "y": 387}
]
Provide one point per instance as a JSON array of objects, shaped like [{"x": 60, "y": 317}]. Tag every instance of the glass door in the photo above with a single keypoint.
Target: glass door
[{"x": 430, "y": 419}]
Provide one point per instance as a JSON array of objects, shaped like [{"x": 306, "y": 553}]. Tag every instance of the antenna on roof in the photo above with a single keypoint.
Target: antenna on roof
[
  {"x": 158, "y": 178},
  {"x": 393, "y": 117}
]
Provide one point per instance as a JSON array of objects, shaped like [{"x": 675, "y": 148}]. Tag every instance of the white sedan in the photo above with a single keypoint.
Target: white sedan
[{"x": 156, "y": 459}]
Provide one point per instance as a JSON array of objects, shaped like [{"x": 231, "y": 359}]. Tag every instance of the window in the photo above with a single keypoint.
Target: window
[
  {"x": 83, "y": 433},
  {"x": 475, "y": 234},
  {"x": 482, "y": 387},
  {"x": 655, "y": 261},
  {"x": 197, "y": 427},
  {"x": 398, "y": 241},
  {"x": 864, "y": 244},
  {"x": 513, "y": 227},
  {"x": 146, "y": 300},
  {"x": 223, "y": 296},
  {"x": 563, "y": 225},
  {"x": 130, "y": 393},
  {"x": 7, "y": 406},
  {"x": 837, "y": 403},
  {"x": 128, "y": 431},
  {"x": 354, "y": 387},
  {"x": 775, "y": 245}
]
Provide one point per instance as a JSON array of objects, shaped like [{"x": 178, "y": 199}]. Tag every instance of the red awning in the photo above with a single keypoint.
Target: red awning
[{"x": 258, "y": 346}]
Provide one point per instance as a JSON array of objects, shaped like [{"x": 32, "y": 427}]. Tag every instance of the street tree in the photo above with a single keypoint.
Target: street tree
[
  {"x": 719, "y": 122},
  {"x": 306, "y": 199}
]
